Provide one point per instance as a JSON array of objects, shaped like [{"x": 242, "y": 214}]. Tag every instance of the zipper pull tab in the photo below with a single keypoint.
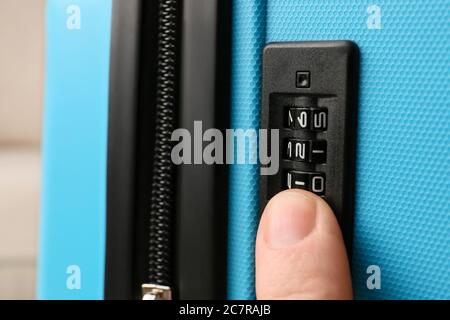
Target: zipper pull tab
[{"x": 156, "y": 292}]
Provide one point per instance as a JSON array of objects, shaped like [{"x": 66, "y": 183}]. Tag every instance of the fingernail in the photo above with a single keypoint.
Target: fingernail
[{"x": 291, "y": 216}]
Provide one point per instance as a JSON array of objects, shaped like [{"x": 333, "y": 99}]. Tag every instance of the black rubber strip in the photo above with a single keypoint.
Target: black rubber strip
[{"x": 132, "y": 100}]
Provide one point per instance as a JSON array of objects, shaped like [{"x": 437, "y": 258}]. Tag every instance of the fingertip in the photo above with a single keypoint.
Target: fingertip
[
  {"x": 289, "y": 217},
  {"x": 300, "y": 251}
]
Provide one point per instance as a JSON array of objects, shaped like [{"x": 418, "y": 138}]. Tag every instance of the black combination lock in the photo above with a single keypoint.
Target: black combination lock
[{"x": 310, "y": 93}]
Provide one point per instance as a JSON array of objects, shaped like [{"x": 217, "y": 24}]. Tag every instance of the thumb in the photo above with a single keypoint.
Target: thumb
[{"x": 300, "y": 253}]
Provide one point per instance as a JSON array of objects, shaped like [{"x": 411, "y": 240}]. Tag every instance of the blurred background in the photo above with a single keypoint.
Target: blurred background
[{"x": 21, "y": 100}]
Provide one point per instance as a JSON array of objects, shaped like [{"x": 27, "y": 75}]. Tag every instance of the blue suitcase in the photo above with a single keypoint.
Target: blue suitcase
[
  {"x": 402, "y": 167},
  {"x": 103, "y": 223},
  {"x": 402, "y": 164},
  {"x": 73, "y": 214}
]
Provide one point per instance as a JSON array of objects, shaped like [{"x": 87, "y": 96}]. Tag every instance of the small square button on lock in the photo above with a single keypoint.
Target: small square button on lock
[{"x": 303, "y": 79}]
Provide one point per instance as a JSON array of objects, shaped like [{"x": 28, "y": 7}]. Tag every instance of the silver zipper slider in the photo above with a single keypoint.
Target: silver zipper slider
[{"x": 156, "y": 292}]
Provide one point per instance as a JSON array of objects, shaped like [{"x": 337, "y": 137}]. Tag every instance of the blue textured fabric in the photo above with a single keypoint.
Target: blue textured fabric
[
  {"x": 73, "y": 214},
  {"x": 248, "y": 42},
  {"x": 402, "y": 218}
]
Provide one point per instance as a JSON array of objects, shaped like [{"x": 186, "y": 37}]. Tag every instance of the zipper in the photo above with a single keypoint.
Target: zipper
[{"x": 160, "y": 268}]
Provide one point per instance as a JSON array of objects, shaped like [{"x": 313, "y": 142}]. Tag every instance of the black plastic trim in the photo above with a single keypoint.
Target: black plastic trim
[
  {"x": 130, "y": 139},
  {"x": 201, "y": 225},
  {"x": 330, "y": 72}
]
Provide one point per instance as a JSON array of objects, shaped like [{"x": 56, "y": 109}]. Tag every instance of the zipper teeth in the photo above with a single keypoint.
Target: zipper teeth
[{"x": 160, "y": 249}]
